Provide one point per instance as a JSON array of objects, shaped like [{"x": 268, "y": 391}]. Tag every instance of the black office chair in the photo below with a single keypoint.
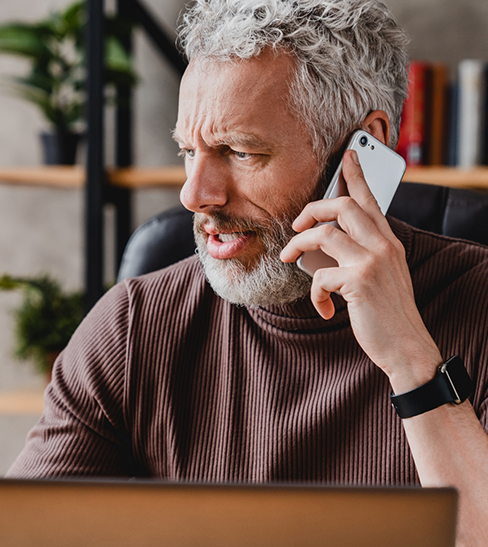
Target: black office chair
[{"x": 168, "y": 237}]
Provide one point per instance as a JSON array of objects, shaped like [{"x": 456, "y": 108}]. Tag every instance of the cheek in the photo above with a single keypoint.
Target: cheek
[
  {"x": 282, "y": 188},
  {"x": 294, "y": 189}
]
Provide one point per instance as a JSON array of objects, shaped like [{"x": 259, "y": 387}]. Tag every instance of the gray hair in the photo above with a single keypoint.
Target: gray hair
[{"x": 350, "y": 54}]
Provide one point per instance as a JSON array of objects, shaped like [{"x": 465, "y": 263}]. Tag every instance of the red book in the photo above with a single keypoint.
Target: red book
[
  {"x": 411, "y": 144},
  {"x": 437, "y": 115}
]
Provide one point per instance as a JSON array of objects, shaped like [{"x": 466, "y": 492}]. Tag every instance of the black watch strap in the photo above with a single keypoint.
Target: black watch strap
[{"x": 451, "y": 384}]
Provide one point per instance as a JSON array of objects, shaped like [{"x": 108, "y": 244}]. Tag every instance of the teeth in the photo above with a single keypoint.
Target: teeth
[{"x": 229, "y": 237}]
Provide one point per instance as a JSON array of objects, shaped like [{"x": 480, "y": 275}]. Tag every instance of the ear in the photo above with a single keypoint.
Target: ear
[{"x": 377, "y": 124}]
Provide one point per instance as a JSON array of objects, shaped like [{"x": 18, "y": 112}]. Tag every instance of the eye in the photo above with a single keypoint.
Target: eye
[
  {"x": 242, "y": 155},
  {"x": 187, "y": 153}
]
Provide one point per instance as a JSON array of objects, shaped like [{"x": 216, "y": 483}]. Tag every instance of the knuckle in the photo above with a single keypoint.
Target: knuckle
[
  {"x": 348, "y": 202},
  {"x": 385, "y": 249},
  {"x": 309, "y": 206},
  {"x": 319, "y": 277},
  {"x": 325, "y": 230},
  {"x": 366, "y": 274},
  {"x": 388, "y": 250},
  {"x": 372, "y": 201},
  {"x": 399, "y": 248}
]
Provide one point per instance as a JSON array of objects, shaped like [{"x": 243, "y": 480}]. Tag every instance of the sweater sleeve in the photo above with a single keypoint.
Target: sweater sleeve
[{"x": 83, "y": 427}]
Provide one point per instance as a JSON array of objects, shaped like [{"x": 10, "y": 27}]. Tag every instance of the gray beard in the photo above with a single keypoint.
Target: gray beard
[{"x": 268, "y": 282}]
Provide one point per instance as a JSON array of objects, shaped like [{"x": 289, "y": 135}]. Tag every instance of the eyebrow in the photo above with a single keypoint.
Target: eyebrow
[
  {"x": 233, "y": 139},
  {"x": 244, "y": 139},
  {"x": 175, "y": 135}
]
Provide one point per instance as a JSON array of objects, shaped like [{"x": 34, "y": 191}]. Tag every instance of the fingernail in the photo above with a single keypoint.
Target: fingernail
[{"x": 355, "y": 157}]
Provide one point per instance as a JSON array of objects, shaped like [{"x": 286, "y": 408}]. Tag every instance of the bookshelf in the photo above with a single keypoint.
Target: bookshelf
[{"x": 137, "y": 178}]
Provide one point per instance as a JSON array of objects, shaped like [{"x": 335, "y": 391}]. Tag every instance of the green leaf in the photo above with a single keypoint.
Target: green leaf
[
  {"x": 36, "y": 81},
  {"x": 23, "y": 40},
  {"x": 74, "y": 17},
  {"x": 56, "y": 48},
  {"x": 118, "y": 63},
  {"x": 40, "y": 98},
  {"x": 74, "y": 113},
  {"x": 46, "y": 319},
  {"x": 8, "y": 283},
  {"x": 116, "y": 57}
]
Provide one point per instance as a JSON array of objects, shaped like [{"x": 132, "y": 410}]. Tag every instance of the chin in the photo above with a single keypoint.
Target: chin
[{"x": 268, "y": 282}]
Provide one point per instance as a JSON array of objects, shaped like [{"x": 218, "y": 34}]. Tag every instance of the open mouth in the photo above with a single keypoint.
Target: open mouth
[
  {"x": 224, "y": 238},
  {"x": 227, "y": 245}
]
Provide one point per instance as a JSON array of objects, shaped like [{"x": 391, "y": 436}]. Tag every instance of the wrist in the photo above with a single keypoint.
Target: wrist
[
  {"x": 414, "y": 374},
  {"x": 450, "y": 384}
]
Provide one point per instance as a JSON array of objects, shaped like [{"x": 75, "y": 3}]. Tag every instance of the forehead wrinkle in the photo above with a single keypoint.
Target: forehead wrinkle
[
  {"x": 240, "y": 138},
  {"x": 212, "y": 136}
]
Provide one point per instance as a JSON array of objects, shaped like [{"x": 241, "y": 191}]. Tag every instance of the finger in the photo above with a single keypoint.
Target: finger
[
  {"x": 356, "y": 183},
  {"x": 325, "y": 282},
  {"x": 322, "y": 302},
  {"x": 359, "y": 190},
  {"x": 329, "y": 239},
  {"x": 351, "y": 219},
  {"x": 343, "y": 209},
  {"x": 323, "y": 210}
]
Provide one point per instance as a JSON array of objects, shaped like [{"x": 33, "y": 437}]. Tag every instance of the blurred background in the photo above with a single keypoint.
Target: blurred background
[{"x": 41, "y": 228}]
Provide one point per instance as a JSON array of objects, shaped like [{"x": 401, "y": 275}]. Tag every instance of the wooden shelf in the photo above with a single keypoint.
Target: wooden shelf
[
  {"x": 134, "y": 178},
  {"x": 58, "y": 176},
  {"x": 61, "y": 176},
  {"x": 21, "y": 402},
  {"x": 455, "y": 177},
  {"x": 147, "y": 177}
]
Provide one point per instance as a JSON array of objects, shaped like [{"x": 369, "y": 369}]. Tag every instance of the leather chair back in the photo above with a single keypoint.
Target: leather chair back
[
  {"x": 448, "y": 211},
  {"x": 168, "y": 237}
]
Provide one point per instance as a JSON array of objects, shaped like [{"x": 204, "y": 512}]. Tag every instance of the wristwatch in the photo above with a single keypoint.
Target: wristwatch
[{"x": 451, "y": 384}]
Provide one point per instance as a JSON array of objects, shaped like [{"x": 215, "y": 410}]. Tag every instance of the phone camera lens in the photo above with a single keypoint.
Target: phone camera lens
[{"x": 363, "y": 141}]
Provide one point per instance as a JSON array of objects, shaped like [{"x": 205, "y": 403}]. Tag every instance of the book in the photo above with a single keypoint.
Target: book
[
  {"x": 412, "y": 141},
  {"x": 452, "y": 129},
  {"x": 436, "y": 114},
  {"x": 471, "y": 91}
]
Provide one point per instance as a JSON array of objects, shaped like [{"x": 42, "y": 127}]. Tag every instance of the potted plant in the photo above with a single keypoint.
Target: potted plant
[
  {"x": 45, "y": 321},
  {"x": 56, "y": 82}
]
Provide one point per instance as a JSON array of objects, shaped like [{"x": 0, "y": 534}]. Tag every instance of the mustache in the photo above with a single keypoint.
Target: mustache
[{"x": 231, "y": 223}]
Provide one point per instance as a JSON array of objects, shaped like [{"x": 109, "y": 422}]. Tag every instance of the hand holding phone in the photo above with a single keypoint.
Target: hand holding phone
[{"x": 383, "y": 170}]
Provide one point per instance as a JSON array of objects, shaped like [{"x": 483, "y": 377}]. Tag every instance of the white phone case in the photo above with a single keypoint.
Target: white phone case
[{"x": 383, "y": 170}]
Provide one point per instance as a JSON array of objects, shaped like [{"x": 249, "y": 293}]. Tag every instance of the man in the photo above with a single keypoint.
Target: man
[{"x": 265, "y": 374}]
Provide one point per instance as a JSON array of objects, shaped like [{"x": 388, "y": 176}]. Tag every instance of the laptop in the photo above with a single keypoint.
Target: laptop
[{"x": 105, "y": 513}]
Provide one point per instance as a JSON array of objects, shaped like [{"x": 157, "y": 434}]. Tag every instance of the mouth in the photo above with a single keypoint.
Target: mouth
[
  {"x": 225, "y": 245},
  {"x": 232, "y": 236}
]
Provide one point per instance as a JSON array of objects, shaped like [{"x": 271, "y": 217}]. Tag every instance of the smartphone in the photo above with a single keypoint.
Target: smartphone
[{"x": 383, "y": 170}]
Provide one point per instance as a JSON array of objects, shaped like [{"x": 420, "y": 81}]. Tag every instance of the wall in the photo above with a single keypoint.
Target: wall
[
  {"x": 41, "y": 230},
  {"x": 444, "y": 30}
]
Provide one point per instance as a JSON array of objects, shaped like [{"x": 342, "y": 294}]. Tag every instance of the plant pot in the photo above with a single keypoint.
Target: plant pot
[{"x": 59, "y": 147}]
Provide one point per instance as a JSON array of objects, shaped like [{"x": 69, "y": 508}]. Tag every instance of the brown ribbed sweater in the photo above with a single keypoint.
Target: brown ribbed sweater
[{"x": 165, "y": 379}]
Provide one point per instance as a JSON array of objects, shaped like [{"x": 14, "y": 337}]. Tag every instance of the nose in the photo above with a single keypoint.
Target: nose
[{"x": 206, "y": 186}]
